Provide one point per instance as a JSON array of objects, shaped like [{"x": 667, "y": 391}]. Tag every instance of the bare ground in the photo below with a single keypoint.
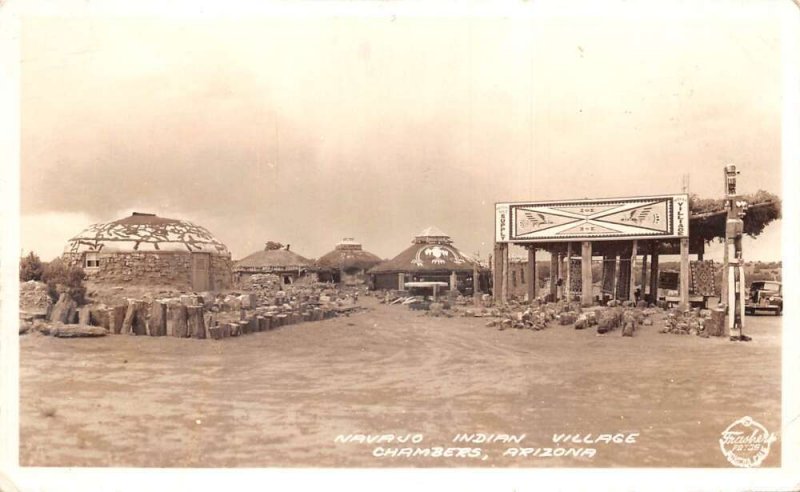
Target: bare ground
[{"x": 280, "y": 398}]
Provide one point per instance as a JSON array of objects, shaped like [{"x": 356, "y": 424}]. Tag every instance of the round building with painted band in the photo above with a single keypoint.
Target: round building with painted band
[{"x": 145, "y": 249}]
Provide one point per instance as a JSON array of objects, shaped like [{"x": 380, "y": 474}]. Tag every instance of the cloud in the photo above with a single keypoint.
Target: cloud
[{"x": 309, "y": 130}]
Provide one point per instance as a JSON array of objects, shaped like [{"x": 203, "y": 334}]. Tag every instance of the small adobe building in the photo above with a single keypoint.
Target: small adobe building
[
  {"x": 430, "y": 258},
  {"x": 145, "y": 249},
  {"x": 347, "y": 263},
  {"x": 275, "y": 259}
]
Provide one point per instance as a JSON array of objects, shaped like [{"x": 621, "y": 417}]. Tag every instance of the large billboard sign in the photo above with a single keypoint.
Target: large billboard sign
[{"x": 651, "y": 217}]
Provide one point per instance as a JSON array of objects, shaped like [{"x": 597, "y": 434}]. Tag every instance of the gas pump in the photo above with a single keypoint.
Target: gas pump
[{"x": 734, "y": 230}]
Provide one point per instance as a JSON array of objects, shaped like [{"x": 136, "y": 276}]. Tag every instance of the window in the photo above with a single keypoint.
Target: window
[{"x": 92, "y": 261}]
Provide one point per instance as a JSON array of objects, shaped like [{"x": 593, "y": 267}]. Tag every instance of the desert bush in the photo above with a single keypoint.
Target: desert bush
[
  {"x": 30, "y": 267},
  {"x": 61, "y": 277}
]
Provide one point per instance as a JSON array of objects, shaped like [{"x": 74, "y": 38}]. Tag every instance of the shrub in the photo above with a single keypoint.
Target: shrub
[
  {"x": 61, "y": 277},
  {"x": 30, "y": 267}
]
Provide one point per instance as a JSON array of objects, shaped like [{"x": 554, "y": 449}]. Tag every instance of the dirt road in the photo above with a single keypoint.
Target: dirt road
[{"x": 281, "y": 398}]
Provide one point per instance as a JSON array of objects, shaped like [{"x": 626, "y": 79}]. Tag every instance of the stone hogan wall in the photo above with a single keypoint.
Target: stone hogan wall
[{"x": 173, "y": 269}]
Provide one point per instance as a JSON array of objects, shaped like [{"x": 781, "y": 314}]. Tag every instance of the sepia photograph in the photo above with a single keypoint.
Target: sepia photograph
[{"x": 384, "y": 236}]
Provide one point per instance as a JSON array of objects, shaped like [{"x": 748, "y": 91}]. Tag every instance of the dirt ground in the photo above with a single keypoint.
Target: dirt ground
[{"x": 281, "y": 398}]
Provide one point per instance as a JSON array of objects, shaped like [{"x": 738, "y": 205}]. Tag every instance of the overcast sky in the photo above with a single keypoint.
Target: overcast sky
[{"x": 308, "y": 130}]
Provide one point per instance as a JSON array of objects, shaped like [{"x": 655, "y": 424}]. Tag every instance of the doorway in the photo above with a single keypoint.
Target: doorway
[{"x": 200, "y": 272}]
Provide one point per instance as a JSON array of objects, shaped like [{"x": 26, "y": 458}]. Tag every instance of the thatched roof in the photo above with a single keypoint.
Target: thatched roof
[
  {"x": 708, "y": 216},
  {"x": 348, "y": 255},
  {"x": 431, "y": 251},
  {"x": 273, "y": 258}
]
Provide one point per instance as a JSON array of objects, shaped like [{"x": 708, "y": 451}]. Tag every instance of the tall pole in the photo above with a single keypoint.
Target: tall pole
[
  {"x": 531, "y": 274},
  {"x": 734, "y": 229},
  {"x": 504, "y": 295},
  {"x": 586, "y": 273},
  {"x": 684, "y": 278},
  {"x": 568, "y": 286},
  {"x": 632, "y": 288}
]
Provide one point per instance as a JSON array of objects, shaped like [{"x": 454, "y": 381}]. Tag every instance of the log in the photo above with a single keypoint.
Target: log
[
  {"x": 135, "y": 322},
  {"x": 63, "y": 310},
  {"x": 244, "y": 327},
  {"x": 195, "y": 322},
  {"x": 282, "y": 319},
  {"x": 157, "y": 327},
  {"x": 84, "y": 315},
  {"x": 262, "y": 323},
  {"x": 234, "y": 329},
  {"x": 116, "y": 318},
  {"x": 214, "y": 332},
  {"x": 60, "y": 330},
  {"x": 176, "y": 320},
  {"x": 100, "y": 316},
  {"x": 252, "y": 324}
]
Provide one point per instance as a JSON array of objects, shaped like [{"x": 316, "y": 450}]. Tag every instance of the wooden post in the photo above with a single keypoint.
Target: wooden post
[
  {"x": 654, "y": 273},
  {"x": 723, "y": 297},
  {"x": 644, "y": 274},
  {"x": 553, "y": 275},
  {"x": 435, "y": 293},
  {"x": 531, "y": 274},
  {"x": 401, "y": 281},
  {"x": 476, "y": 285},
  {"x": 586, "y": 273},
  {"x": 497, "y": 270},
  {"x": 632, "y": 293},
  {"x": 617, "y": 270},
  {"x": 505, "y": 273},
  {"x": 684, "y": 274},
  {"x": 568, "y": 282},
  {"x": 453, "y": 282}
]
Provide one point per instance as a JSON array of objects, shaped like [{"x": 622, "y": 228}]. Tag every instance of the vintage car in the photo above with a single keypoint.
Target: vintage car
[{"x": 765, "y": 296}]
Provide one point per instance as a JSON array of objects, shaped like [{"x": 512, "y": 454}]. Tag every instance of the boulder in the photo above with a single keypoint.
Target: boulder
[{"x": 568, "y": 318}]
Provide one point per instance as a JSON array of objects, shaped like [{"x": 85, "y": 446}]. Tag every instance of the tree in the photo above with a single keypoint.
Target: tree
[
  {"x": 61, "y": 277},
  {"x": 30, "y": 267}
]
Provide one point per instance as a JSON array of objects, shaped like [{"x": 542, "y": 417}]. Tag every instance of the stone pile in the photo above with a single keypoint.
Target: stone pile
[
  {"x": 535, "y": 317},
  {"x": 33, "y": 297},
  {"x": 699, "y": 322}
]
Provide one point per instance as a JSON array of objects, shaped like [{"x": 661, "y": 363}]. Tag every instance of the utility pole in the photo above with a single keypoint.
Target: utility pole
[{"x": 734, "y": 285}]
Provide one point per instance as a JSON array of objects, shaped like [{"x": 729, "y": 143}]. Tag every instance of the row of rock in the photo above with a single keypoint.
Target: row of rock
[
  {"x": 699, "y": 322},
  {"x": 540, "y": 316}
]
